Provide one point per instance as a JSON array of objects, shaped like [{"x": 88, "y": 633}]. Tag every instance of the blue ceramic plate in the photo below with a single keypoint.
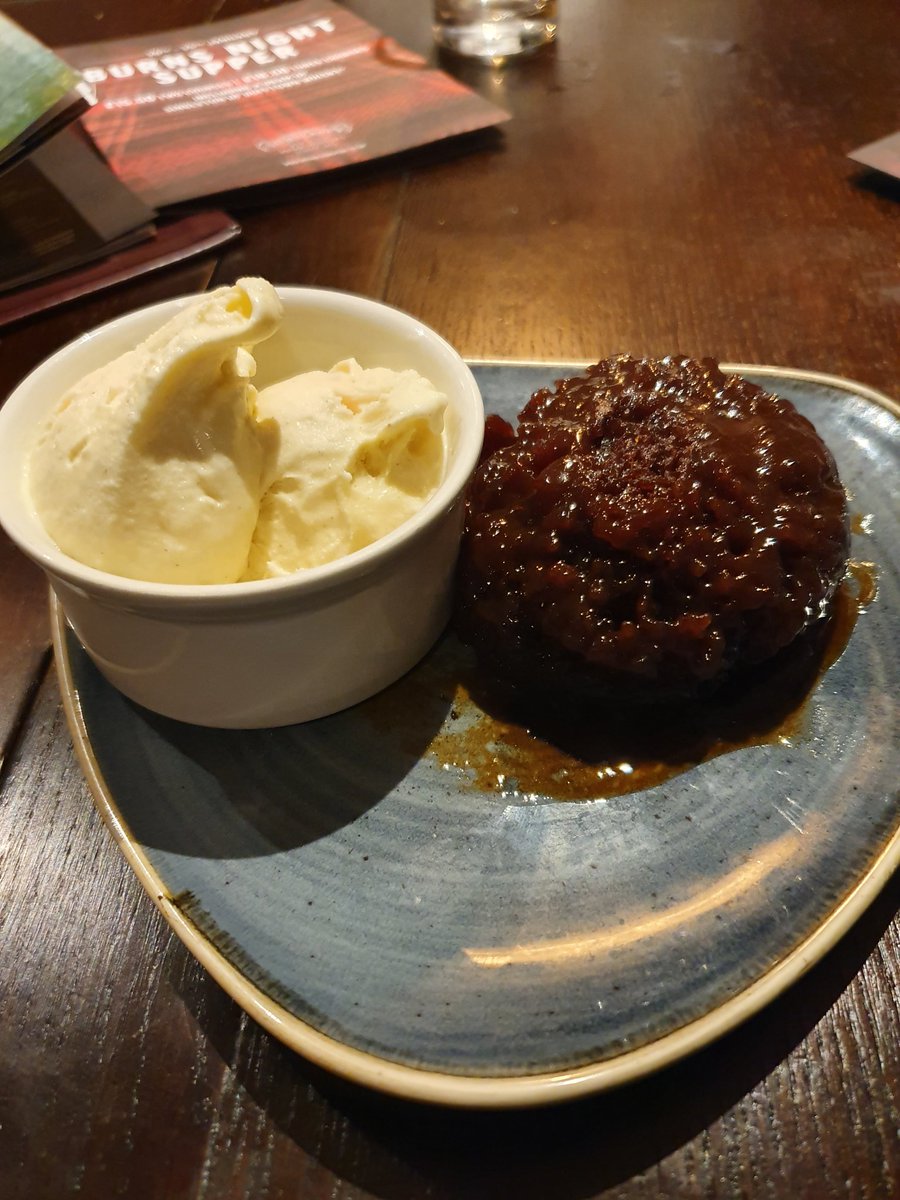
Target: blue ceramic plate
[{"x": 373, "y": 895}]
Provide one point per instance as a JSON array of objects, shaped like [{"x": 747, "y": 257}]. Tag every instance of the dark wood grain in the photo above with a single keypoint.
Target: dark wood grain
[
  {"x": 24, "y": 637},
  {"x": 674, "y": 177},
  {"x": 674, "y": 183},
  {"x": 295, "y": 241}
]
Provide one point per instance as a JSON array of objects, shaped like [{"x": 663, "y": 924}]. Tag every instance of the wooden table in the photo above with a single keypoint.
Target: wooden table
[{"x": 674, "y": 178}]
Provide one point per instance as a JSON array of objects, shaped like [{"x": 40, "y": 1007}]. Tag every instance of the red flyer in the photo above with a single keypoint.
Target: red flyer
[{"x": 299, "y": 88}]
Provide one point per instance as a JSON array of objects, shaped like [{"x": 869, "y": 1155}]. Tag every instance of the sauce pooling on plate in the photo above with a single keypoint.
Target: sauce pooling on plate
[{"x": 496, "y": 743}]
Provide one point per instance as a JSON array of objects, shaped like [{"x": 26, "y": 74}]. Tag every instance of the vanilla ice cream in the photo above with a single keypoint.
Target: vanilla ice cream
[
  {"x": 152, "y": 466},
  {"x": 360, "y": 450},
  {"x": 167, "y": 466}
]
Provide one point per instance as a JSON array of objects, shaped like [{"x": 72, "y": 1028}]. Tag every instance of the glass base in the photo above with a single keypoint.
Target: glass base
[{"x": 505, "y": 35}]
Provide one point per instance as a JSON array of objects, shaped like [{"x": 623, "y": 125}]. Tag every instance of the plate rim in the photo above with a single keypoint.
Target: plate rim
[
  {"x": 478, "y": 1091},
  {"x": 840, "y": 382}
]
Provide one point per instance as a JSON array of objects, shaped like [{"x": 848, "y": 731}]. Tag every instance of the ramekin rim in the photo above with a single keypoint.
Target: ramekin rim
[{"x": 222, "y": 596}]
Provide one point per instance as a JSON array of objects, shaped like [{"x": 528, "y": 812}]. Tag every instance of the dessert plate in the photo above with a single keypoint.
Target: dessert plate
[{"x": 373, "y": 895}]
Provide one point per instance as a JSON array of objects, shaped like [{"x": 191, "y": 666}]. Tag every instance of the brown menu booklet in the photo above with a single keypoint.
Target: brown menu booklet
[
  {"x": 61, "y": 207},
  {"x": 297, "y": 89},
  {"x": 172, "y": 242}
]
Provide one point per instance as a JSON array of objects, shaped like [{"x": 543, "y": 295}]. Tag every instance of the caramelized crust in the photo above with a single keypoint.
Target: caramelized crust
[{"x": 650, "y": 526}]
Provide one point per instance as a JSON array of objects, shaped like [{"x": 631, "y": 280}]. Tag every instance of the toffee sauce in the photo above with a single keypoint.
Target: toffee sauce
[
  {"x": 499, "y": 744},
  {"x": 649, "y": 528}
]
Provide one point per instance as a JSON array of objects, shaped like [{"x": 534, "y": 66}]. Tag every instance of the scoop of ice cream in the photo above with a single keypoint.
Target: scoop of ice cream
[
  {"x": 165, "y": 465},
  {"x": 359, "y": 452},
  {"x": 152, "y": 466}
]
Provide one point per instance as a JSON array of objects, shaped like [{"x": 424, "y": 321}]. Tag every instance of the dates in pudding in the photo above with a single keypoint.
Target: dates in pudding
[{"x": 648, "y": 528}]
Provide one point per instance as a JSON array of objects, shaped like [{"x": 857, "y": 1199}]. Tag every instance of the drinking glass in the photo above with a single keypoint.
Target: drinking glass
[{"x": 494, "y": 29}]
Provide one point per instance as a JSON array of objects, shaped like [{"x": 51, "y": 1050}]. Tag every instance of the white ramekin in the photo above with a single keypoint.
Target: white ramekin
[{"x": 273, "y": 651}]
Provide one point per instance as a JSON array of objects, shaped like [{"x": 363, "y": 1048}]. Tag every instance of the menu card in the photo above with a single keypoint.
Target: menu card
[{"x": 296, "y": 89}]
